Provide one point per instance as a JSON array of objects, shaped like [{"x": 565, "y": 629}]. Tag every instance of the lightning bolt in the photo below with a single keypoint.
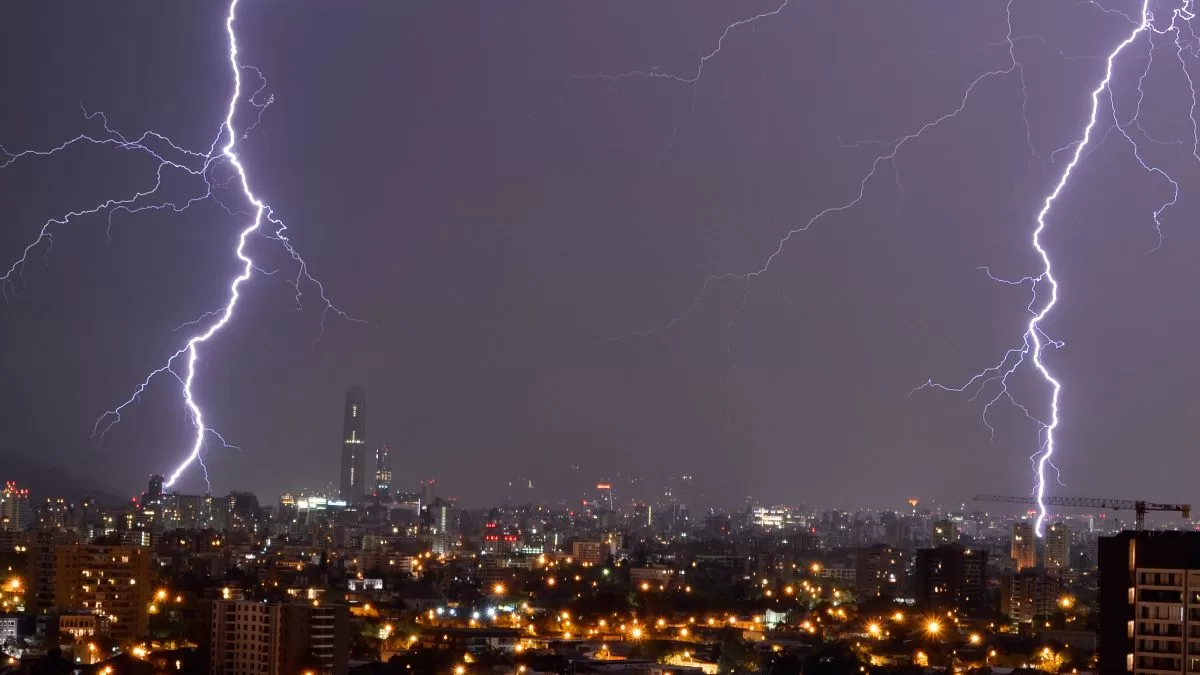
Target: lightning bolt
[
  {"x": 170, "y": 156},
  {"x": 1034, "y": 341},
  {"x": 1043, "y": 286},
  {"x": 694, "y": 79}
]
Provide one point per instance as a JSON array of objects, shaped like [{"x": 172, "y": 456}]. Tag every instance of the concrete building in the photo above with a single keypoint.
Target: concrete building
[
  {"x": 1058, "y": 546},
  {"x": 251, "y": 637},
  {"x": 112, "y": 582},
  {"x": 944, "y": 532},
  {"x": 1150, "y": 603},
  {"x": 592, "y": 552},
  {"x": 1030, "y": 594},
  {"x": 1024, "y": 545},
  {"x": 880, "y": 571},
  {"x": 653, "y": 575},
  {"x": 15, "y": 512},
  {"x": 950, "y": 576}
]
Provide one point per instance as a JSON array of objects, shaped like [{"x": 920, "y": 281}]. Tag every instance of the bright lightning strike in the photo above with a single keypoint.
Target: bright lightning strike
[
  {"x": 1034, "y": 341},
  {"x": 170, "y": 156}
]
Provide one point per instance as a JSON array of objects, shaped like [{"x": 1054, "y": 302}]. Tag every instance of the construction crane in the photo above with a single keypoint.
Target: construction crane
[{"x": 1139, "y": 508}]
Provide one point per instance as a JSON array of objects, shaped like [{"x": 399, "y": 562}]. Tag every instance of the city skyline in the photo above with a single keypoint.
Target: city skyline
[{"x": 763, "y": 337}]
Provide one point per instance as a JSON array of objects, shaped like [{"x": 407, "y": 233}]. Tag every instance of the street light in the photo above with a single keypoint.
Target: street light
[
  {"x": 933, "y": 627},
  {"x": 975, "y": 638}
]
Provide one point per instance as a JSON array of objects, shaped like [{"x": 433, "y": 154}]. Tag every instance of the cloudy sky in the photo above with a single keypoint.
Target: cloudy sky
[{"x": 530, "y": 248}]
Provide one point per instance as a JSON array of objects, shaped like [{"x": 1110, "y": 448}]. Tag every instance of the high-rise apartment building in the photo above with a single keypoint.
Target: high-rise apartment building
[
  {"x": 1149, "y": 603},
  {"x": 354, "y": 449},
  {"x": 15, "y": 512},
  {"x": 113, "y": 582},
  {"x": 443, "y": 525},
  {"x": 950, "y": 576},
  {"x": 251, "y": 637},
  {"x": 1058, "y": 546},
  {"x": 880, "y": 571},
  {"x": 944, "y": 532},
  {"x": 1030, "y": 595},
  {"x": 383, "y": 474},
  {"x": 1024, "y": 545}
]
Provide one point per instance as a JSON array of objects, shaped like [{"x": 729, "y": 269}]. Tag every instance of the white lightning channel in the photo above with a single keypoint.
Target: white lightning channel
[{"x": 169, "y": 155}]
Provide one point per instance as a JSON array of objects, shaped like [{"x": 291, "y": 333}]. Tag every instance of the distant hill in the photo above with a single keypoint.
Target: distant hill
[{"x": 46, "y": 480}]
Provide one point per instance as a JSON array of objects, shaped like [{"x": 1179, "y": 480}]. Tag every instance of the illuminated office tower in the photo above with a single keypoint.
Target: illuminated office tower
[{"x": 354, "y": 452}]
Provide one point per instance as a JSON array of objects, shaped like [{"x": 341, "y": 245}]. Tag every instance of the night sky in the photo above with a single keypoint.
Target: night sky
[{"x": 497, "y": 223}]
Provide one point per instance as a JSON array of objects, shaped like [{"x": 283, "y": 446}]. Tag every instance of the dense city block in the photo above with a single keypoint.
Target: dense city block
[{"x": 402, "y": 582}]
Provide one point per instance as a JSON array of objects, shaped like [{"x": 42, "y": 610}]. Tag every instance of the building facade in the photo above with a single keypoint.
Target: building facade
[
  {"x": 1030, "y": 595},
  {"x": 950, "y": 576},
  {"x": 1024, "y": 545},
  {"x": 1150, "y": 603},
  {"x": 1058, "y": 546},
  {"x": 383, "y": 474},
  {"x": 112, "y": 582},
  {"x": 251, "y": 637},
  {"x": 15, "y": 512},
  {"x": 944, "y": 532},
  {"x": 880, "y": 571}
]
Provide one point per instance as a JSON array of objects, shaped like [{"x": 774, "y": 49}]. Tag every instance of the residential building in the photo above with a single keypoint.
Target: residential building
[
  {"x": 880, "y": 571},
  {"x": 1029, "y": 595},
  {"x": 110, "y": 581},
  {"x": 944, "y": 532},
  {"x": 15, "y": 512},
  {"x": 1149, "y": 603},
  {"x": 1024, "y": 545},
  {"x": 1058, "y": 546},
  {"x": 950, "y": 576},
  {"x": 251, "y": 637}
]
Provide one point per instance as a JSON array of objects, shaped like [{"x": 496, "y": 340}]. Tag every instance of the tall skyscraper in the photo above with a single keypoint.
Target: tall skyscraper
[
  {"x": 1024, "y": 545},
  {"x": 1058, "y": 546},
  {"x": 383, "y": 474},
  {"x": 354, "y": 453}
]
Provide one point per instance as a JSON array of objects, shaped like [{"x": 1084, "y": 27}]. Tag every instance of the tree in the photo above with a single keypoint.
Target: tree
[
  {"x": 735, "y": 654},
  {"x": 832, "y": 659}
]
